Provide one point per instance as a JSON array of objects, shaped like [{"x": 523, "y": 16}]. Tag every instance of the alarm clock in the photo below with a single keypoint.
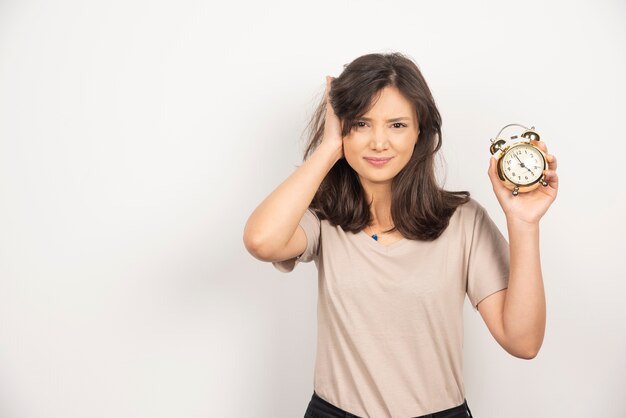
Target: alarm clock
[{"x": 520, "y": 163}]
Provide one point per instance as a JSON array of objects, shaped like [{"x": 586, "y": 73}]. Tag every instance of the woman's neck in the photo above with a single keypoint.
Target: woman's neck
[
  {"x": 381, "y": 215},
  {"x": 379, "y": 197}
]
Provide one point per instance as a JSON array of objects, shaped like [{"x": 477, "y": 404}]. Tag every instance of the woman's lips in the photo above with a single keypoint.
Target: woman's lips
[{"x": 378, "y": 161}]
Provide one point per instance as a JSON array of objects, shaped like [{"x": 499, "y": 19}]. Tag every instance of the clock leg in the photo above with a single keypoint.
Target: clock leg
[
  {"x": 544, "y": 183},
  {"x": 516, "y": 191}
]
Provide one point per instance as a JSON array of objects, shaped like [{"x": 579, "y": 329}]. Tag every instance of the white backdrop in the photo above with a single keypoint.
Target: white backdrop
[{"x": 136, "y": 137}]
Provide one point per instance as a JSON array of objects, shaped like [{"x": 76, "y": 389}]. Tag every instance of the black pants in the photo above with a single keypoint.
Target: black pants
[{"x": 320, "y": 408}]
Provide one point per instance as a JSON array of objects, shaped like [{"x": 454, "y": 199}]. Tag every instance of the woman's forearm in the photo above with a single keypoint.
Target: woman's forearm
[
  {"x": 524, "y": 314},
  {"x": 275, "y": 220}
]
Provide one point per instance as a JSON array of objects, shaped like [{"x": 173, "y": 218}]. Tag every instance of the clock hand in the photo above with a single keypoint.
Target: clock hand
[
  {"x": 522, "y": 165},
  {"x": 531, "y": 171}
]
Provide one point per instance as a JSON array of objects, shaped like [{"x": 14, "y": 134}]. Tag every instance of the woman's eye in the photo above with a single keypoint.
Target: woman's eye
[{"x": 361, "y": 124}]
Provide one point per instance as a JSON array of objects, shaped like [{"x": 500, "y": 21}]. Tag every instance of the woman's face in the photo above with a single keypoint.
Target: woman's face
[{"x": 388, "y": 130}]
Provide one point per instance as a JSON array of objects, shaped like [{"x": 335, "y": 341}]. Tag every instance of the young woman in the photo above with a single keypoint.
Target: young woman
[{"x": 396, "y": 253}]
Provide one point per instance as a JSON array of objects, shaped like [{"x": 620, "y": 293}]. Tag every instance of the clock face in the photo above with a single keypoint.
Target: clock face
[{"x": 523, "y": 164}]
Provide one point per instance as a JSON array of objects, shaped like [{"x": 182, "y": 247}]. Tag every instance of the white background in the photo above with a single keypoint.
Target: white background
[{"x": 136, "y": 137}]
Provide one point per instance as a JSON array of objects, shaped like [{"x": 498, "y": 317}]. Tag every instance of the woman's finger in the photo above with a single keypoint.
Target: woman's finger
[
  {"x": 551, "y": 178},
  {"x": 329, "y": 107},
  {"x": 542, "y": 146},
  {"x": 551, "y": 160},
  {"x": 496, "y": 183},
  {"x": 327, "y": 88}
]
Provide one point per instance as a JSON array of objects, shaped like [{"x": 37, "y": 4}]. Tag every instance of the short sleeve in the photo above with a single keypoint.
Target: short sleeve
[
  {"x": 310, "y": 223},
  {"x": 488, "y": 263}
]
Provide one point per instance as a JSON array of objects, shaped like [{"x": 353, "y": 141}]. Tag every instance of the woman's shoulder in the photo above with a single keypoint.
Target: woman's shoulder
[
  {"x": 469, "y": 210},
  {"x": 472, "y": 204}
]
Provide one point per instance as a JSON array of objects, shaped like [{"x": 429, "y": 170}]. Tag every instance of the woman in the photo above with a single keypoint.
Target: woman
[{"x": 396, "y": 253}]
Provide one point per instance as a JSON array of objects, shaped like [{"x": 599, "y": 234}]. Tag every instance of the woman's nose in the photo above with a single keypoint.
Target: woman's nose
[{"x": 379, "y": 139}]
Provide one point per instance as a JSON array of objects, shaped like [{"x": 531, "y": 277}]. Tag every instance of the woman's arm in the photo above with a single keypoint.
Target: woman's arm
[
  {"x": 270, "y": 228},
  {"x": 274, "y": 222},
  {"x": 517, "y": 316}
]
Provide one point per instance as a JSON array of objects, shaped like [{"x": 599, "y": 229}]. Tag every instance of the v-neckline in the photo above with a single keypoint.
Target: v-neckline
[{"x": 378, "y": 246}]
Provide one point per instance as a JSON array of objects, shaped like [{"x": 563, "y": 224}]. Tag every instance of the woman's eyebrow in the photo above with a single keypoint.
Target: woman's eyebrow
[{"x": 388, "y": 120}]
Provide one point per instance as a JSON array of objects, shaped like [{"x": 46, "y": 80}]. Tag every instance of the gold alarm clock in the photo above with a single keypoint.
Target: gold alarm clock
[{"x": 520, "y": 163}]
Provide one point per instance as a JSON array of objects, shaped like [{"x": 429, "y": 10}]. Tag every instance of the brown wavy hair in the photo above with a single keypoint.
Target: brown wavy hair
[{"x": 420, "y": 209}]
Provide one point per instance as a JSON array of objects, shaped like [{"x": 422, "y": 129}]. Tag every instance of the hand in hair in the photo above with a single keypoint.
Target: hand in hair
[{"x": 332, "y": 124}]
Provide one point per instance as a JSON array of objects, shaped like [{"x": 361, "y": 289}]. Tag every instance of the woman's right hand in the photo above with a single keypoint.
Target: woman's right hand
[{"x": 332, "y": 124}]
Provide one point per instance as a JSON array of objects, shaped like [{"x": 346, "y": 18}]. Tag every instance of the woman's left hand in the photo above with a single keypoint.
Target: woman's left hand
[{"x": 528, "y": 207}]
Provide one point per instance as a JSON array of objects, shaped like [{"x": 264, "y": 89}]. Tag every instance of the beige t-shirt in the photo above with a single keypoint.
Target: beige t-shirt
[{"x": 390, "y": 318}]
